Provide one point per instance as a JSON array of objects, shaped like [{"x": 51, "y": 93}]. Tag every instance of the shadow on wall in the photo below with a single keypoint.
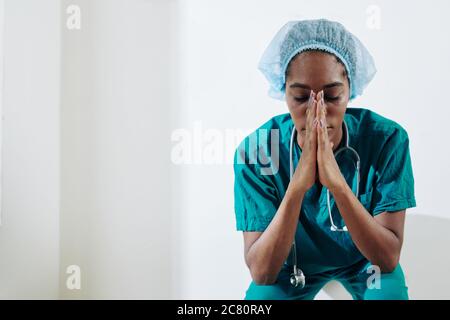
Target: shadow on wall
[{"x": 425, "y": 259}]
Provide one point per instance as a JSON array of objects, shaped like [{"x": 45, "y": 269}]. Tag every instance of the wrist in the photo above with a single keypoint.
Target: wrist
[
  {"x": 296, "y": 189},
  {"x": 339, "y": 187}
]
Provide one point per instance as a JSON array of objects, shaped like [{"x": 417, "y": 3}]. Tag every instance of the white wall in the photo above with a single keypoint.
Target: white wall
[
  {"x": 29, "y": 234},
  {"x": 86, "y": 146},
  {"x": 115, "y": 188}
]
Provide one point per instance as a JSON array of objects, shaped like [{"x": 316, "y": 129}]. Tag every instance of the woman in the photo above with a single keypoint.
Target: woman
[{"x": 337, "y": 216}]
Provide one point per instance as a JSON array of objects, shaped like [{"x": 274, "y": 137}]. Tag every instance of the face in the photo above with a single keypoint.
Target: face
[{"x": 317, "y": 70}]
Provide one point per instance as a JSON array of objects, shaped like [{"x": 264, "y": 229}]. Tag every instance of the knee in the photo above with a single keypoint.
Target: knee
[
  {"x": 390, "y": 286},
  {"x": 265, "y": 292}
]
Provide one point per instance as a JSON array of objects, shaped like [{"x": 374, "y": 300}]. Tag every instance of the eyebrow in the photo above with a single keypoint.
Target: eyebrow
[{"x": 304, "y": 86}]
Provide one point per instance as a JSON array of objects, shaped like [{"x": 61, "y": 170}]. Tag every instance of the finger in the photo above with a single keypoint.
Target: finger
[
  {"x": 315, "y": 124},
  {"x": 319, "y": 107},
  {"x": 320, "y": 138},
  {"x": 310, "y": 114},
  {"x": 311, "y": 100},
  {"x": 312, "y": 123},
  {"x": 319, "y": 98},
  {"x": 314, "y": 120},
  {"x": 323, "y": 118},
  {"x": 320, "y": 120}
]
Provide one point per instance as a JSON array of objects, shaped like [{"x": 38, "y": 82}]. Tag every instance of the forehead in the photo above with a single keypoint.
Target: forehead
[{"x": 315, "y": 68}]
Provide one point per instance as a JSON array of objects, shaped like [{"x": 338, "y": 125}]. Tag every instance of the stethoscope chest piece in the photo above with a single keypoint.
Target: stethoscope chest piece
[{"x": 298, "y": 278}]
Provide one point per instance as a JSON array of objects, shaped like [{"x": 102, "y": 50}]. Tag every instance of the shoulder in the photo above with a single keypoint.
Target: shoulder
[{"x": 368, "y": 123}]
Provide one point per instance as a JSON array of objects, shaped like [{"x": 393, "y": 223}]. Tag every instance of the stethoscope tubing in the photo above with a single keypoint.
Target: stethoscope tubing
[{"x": 291, "y": 173}]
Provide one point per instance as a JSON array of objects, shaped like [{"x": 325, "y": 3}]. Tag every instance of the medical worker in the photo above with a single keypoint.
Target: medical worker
[{"x": 310, "y": 213}]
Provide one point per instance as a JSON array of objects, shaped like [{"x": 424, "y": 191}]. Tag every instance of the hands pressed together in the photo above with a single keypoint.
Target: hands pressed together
[{"x": 317, "y": 161}]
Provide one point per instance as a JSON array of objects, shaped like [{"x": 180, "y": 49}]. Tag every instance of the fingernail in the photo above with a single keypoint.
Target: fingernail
[
  {"x": 321, "y": 123},
  {"x": 315, "y": 122}
]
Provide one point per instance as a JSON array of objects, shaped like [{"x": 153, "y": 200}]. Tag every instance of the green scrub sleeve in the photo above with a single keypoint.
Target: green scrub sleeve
[
  {"x": 255, "y": 196},
  {"x": 394, "y": 182}
]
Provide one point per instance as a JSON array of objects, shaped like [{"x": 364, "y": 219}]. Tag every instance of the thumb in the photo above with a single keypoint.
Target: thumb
[{"x": 314, "y": 134}]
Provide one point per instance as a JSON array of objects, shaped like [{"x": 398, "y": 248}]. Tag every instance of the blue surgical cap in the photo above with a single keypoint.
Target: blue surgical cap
[{"x": 329, "y": 36}]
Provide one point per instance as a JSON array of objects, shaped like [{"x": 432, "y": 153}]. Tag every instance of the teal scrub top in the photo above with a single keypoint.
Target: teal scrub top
[{"x": 386, "y": 184}]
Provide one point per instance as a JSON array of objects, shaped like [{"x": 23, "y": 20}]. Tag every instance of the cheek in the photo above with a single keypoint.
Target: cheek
[
  {"x": 297, "y": 111},
  {"x": 299, "y": 120},
  {"x": 335, "y": 109},
  {"x": 295, "y": 105}
]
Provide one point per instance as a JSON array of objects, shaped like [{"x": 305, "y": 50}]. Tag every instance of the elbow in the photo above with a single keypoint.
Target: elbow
[
  {"x": 388, "y": 267},
  {"x": 263, "y": 278},
  {"x": 389, "y": 263}
]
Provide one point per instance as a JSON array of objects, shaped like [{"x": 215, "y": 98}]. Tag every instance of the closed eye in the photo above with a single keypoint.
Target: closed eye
[
  {"x": 331, "y": 98},
  {"x": 304, "y": 99},
  {"x": 301, "y": 99}
]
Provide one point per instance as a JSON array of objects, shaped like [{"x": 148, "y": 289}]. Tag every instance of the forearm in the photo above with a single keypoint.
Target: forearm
[
  {"x": 377, "y": 243},
  {"x": 267, "y": 255}
]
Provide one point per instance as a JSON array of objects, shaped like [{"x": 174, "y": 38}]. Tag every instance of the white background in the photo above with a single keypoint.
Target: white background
[{"x": 88, "y": 117}]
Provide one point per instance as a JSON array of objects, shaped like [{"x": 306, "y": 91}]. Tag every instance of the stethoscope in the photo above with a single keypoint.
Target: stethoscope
[{"x": 297, "y": 277}]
